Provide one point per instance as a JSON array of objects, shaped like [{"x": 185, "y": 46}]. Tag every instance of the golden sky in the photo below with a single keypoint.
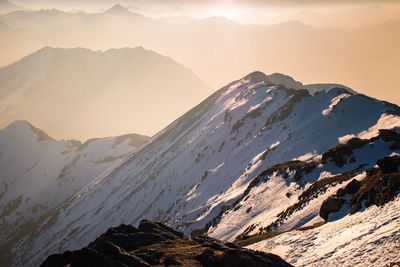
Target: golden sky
[{"x": 355, "y": 43}]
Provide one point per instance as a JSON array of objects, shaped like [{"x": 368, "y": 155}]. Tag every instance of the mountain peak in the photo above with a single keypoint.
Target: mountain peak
[
  {"x": 285, "y": 80},
  {"x": 118, "y": 10},
  {"x": 18, "y": 124},
  {"x": 23, "y": 127},
  {"x": 256, "y": 76},
  {"x": 275, "y": 78}
]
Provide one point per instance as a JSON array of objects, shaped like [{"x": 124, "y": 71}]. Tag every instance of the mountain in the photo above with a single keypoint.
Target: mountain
[
  {"x": 118, "y": 10},
  {"x": 195, "y": 174},
  {"x": 37, "y": 172},
  {"x": 317, "y": 87},
  {"x": 289, "y": 82},
  {"x": 50, "y": 19},
  {"x": 352, "y": 18},
  {"x": 97, "y": 93},
  {"x": 38, "y": 19},
  {"x": 7, "y": 6},
  {"x": 153, "y": 244},
  {"x": 207, "y": 45}
]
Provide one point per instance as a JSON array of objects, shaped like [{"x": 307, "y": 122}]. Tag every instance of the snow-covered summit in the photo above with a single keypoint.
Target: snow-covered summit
[
  {"x": 286, "y": 80},
  {"x": 23, "y": 130},
  {"x": 289, "y": 82}
]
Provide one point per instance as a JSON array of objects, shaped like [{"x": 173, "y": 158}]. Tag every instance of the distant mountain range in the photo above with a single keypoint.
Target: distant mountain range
[
  {"x": 218, "y": 49},
  {"x": 254, "y": 160},
  {"x": 7, "y": 6},
  {"x": 81, "y": 93}
]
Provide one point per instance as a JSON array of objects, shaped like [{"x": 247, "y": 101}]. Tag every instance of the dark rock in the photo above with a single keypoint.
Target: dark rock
[
  {"x": 376, "y": 189},
  {"x": 353, "y": 186},
  {"x": 147, "y": 246},
  {"x": 159, "y": 228},
  {"x": 119, "y": 254},
  {"x": 133, "y": 241},
  {"x": 330, "y": 205},
  {"x": 379, "y": 187},
  {"x": 389, "y": 164},
  {"x": 171, "y": 261},
  {"x": 342, "y": 152},
  {"x": 151, "y": 256},
  {"x": 57, "y": 260},
  {"x": 389, "y": 135},
  {"x": 231, "y": 258},
  {"x": 350, "y": 188},
  {"x": 90, "y": 257}
]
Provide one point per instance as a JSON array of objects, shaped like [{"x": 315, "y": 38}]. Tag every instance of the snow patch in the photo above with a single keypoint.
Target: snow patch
[{"x": 334, "y": 102}]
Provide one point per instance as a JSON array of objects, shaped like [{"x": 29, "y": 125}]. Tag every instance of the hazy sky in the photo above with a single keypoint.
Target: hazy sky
[
  {"x": 242, "y": 11},
  {"x": 351, "y": 42}
]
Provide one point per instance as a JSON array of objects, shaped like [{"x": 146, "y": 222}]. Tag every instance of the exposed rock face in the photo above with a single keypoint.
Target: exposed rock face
[
  {"x": 379, "y": 187},
  {"x": 342, "y": 152},
  {"x": 376, "y": 189},
  {"x": 389, "y": 164},
  {"x": 331, "y": 204},
  {"x": 154, "y": 244}
]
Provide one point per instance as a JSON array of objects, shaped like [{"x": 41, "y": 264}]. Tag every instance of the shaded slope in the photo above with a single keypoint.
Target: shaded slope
[{"x": 97, "y": 93}]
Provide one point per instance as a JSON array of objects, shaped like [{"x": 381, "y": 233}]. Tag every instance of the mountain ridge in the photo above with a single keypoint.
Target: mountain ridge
[{"x": 221, "y": 145}]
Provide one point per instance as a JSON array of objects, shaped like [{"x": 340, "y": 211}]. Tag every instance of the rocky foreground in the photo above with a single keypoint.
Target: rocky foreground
[{"x": 154, "y": 244}]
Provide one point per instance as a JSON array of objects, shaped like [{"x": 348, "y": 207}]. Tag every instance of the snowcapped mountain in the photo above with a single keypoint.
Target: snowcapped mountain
[
  {"x": 37, "y": 173},
  {"x": 108, "y": 93},
  {"x": 204, "y": 172}
]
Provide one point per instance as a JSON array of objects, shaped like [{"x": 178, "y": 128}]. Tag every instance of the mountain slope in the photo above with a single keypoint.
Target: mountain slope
[
  {"x": 301, "y": 193},
  {"x": 37, "y": 173},
  {"x": 108, "y": 93},
  {"x": 7, "y": 6},
  {"x": 369, "y": 238},
  {"x": 205, "y": 161}
]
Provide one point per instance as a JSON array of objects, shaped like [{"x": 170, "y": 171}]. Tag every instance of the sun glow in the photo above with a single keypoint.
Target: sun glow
[
  {"x": 233, "y": 12},
  {"x": 243, "y": 14}
]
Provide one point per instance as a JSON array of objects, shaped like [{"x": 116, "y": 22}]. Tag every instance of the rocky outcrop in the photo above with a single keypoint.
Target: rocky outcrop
[
  {"x": 379, "y": 187},
  {"x": 331, "y": 204},
  {"x": 341, "y": 153},
  {"x": 154, "y": 244},
  {"x": 376, "y": 189}
]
